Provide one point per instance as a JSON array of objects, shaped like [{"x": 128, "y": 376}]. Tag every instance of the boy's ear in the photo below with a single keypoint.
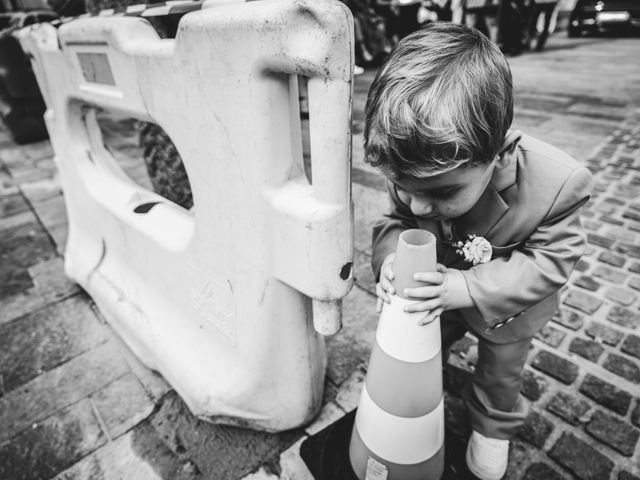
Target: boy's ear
[{"x": 508, "y": 148}]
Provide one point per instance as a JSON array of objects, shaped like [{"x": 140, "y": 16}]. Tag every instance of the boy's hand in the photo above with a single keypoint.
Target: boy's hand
[
  {"x": 447, "y": 291},
  {"x": 384, "y": 288}
]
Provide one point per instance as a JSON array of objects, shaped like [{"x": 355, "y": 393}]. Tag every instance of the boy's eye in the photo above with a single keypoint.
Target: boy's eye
[
  {"x": 435, "y": 194},
  {"x": 444, "y": 194}
]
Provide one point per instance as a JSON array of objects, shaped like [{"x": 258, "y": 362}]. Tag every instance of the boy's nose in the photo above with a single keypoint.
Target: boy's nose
[{"x": 421, "y": 206}]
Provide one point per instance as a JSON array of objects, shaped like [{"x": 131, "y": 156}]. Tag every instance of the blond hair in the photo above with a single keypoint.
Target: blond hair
[{"x": 443, "y": 99}]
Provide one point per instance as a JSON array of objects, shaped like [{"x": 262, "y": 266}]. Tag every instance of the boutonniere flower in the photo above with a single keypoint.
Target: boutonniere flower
[{"x": 474, "y": 249}]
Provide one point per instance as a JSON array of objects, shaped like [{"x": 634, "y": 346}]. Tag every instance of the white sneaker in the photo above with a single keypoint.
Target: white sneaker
[{"x": 487, "y": 458}]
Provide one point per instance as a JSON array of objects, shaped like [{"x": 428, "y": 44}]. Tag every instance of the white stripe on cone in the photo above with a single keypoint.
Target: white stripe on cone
[
  {"x": 400, "y": 336},
  {"x": 399, "y": 439}
]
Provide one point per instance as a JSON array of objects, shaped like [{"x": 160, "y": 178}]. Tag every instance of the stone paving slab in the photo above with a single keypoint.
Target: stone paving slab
[
  {"x": 122, "y": 404},
  {"x": 26, "y": 245},
  {"x": 46, "y": 283},
  {"x": 56, "y": 389},
  {"x": 129, "y": 458},
  {"x": 53, "y": 445},
  {"x": 46, "y": 339}
]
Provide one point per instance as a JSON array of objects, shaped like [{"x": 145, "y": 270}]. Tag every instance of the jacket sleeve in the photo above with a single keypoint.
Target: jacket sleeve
[
  {"x": 507, "y": 286},
  {"x": 387, "y": 230}
]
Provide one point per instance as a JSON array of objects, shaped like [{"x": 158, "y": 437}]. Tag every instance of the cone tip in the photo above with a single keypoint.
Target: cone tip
[{"x": 416, "y": 237}]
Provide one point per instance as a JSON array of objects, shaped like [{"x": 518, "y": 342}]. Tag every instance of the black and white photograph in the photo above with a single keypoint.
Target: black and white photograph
[{"x": 319, "y": 239}]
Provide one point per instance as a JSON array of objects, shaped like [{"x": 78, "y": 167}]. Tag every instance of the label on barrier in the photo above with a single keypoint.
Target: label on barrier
[
  {"x": 212, "y": 301},
  {"x": 376, "y": 470},
  {"x": 95, "y": 68}
]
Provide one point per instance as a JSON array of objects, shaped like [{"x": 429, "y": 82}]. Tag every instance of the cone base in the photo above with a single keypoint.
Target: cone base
[
  {"x": 430, "y": 469},
  {"x": 326, "y": 453}
]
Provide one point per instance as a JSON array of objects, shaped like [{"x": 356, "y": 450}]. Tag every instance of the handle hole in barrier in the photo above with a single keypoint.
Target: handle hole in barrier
[
  {"x": 303, "y": 103},
  {"x": 345, "y": 271},
  {"x": 145, "y": 207},
  {"x": 146, "y": 155}
]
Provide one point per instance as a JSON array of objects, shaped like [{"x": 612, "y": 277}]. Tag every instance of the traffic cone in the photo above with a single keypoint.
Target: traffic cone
[{"x": 398, "y": 432}]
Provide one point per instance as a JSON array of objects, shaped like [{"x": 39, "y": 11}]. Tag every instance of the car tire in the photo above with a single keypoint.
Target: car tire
[
  {"x": 574, "y": 32},
  {"x": 24, "y": 119}
]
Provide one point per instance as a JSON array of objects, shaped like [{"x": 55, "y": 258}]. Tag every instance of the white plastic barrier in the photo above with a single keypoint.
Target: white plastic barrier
[{"x": 222, "y": 301}]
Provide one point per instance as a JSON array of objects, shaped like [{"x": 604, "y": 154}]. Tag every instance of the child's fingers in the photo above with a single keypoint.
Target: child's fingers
[
  {"x": 436, "y": 278},
  {"x": 379, "y": 305},
  {"x": 387, "y": 271},
  {"x": 382, "y": 294},
  {"x": 423, "y": 292},
  {"x": 423, "y": 306},
  {"x": 431, "y": 316},
  {"x": 441, "y": 268},
  {"x": 387, "y": 286}
]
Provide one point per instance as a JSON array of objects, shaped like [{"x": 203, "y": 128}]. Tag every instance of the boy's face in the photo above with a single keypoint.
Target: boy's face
[{"x": 446, "y": 195}]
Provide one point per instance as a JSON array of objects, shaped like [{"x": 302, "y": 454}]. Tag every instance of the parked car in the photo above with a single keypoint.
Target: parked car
[{"x": 590, "y": 16}]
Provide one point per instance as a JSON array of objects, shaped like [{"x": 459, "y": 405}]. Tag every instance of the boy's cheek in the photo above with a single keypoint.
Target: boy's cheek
[{"x": 404, "y": 197}]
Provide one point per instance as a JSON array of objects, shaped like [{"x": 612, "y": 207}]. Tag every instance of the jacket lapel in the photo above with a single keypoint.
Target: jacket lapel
[
  {"x": 478, "y": 221},
  {"x": 483, "y": 216}
]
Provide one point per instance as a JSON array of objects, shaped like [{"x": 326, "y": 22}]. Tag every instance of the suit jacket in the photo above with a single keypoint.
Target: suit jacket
[{"x": 529, "y": 213}]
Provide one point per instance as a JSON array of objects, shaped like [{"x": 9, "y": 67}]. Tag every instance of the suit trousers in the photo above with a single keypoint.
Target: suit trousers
[{"x": 496, "y": 407}]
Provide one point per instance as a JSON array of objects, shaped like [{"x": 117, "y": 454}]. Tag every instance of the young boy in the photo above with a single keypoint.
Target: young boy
[{"x": 437, "y": 126}]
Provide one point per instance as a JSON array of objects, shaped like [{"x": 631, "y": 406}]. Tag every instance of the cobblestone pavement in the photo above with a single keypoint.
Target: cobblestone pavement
[{"x": 76, "y": 404}]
